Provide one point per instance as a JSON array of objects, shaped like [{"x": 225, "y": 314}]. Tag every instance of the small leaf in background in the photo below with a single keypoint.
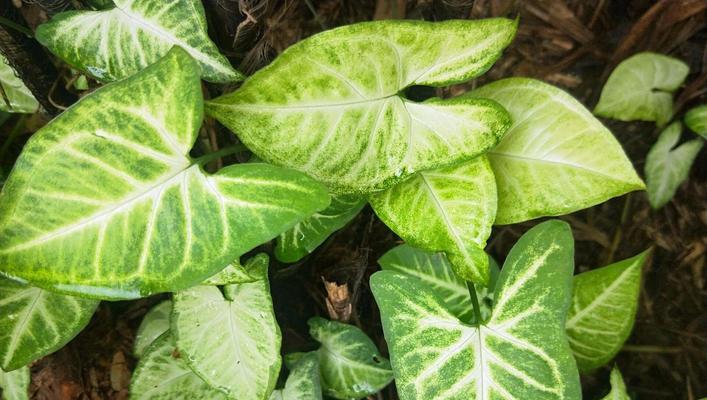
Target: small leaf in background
[
  {"x": 521, "y": 352},
  {"x": 163, "y": 374},
  {"x": 696, "y": 120},
  {"x": 230, "y": 338},
  {"x": 604, "y": 304},
  {"x": 14, "y": 385},
  {"x": 349, "y": 362},
  {"x": 303, "y": 382},
  {"x": 641, "y": 88},
  {"x": 36, "y": 322},
  {"x": 331, "y": 105},
  {"x": 153, "y": 325},
  {"x": 668, "y": 166},
  {"x": 120, "y": 41},
  {"x": 618, "y": 387},
  {"x": 556, "y": 158},
  {"x": 14, "y": 95},
  {"x": 233, "y": 273},
  {"x": 307, "y": 235}
]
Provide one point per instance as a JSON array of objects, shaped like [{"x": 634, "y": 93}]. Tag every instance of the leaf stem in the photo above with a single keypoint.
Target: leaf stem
[
  {"x": 238, "y": 148},
  {"x": 16, "y": 26},
  {"x": 474, "y": 301}
]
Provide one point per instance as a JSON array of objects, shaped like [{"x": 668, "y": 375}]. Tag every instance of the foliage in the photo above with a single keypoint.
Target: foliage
[
  {"x": 153, "y": 325},
  {"x": 14, "y": 385},
  {"x": 303, "y": 383},
  {"x": 696, "y": 120},
  {"x": 14, "y": 95},
  {"x": 618, "y": 387}
]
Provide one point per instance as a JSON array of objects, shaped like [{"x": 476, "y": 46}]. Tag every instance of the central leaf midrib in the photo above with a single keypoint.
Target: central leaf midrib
[{"x": 311, "y": 106}]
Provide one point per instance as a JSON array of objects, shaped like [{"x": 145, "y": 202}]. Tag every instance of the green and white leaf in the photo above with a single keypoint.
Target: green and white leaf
[
  {"x": 331, "y": 105},
  {"x": 231, "y": 338},
  {"x": 604, "y": 304},
  {"x": 349, "y": 362},
  {"x": 668, "y": 165},
  {"x": 618, "y": 387},
  {"x": 162, "y": 374},
  {"x": 15, "y": 97},
  {"x": 303, "y": 383},
  {"x": 14, "y": 385},
  {"x": 118, "y": 42},
  {"x": 153, "y": 325},
  {"x": 521, "y": 352},
  {"x": 36, "y": 322},
  {"x": 448, "y": 209},
  {"x": 556, "y": 158},
  {"x": 307, "y": 235},
  {"x": 641, "y": 88},
  {"x": 104, "y": 201},
  {"x": 233, "y": 273},
  {"x": 696, "y": 120}
]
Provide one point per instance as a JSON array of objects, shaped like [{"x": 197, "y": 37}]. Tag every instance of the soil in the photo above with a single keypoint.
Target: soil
[{"x": 573, "y": 44}]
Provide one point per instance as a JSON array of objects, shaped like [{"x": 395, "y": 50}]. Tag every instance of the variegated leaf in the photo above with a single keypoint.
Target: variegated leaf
[
  {"x": 331, "y": 105},
  {"x": 233, "y": 273},
  {"x": 120, "y": 41},
  {"x": 36, "y": 322},
  {"x": 307, "y": 235},
  {"x": 521, "y": 352},
  {"x": 556, "y": 158},
  {"x": 604, "y": 304},
  {"x": 696, "y": 120},
  {"x": 641, "y": 88},
  {"x": 105, "y": 201},
  {"x": 349, "y": 362},
  {"x": 153, "y": 325},
  {"x": 15, "y": 97},
  {"x": 303, "y": 383},
  {"x": 231, "y": 338},
  {"x": 448, "y": 209},
  {"x": 14, "y": 385},
  {"x": 618, "y": 387}
]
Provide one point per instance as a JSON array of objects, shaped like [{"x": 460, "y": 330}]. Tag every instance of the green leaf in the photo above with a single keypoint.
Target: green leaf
[
  {"x": 696, "y": 120},
  {"x": 349, "y": 362},
  {"x": 162, "y": 374},
  {"x": 668, "y": 165},
  {"x": 521, "y": 352},
  {"x": 556, "y": 158},
  {"x": 36, "y": 322},
  {"x": 231, "y": 338},
  {"x": 307, "y": 235},
  {"x": 331, "y": 105},
  {"x": 104, "y": 201},
  {"x": 14, "y": 385},
  {"x": 618, "y": 387},
  {"x": 119, "y": 42},
  {"x": 303, "y": 383},
  {"x": 449, "y": 209},
  {"x": 233, "y": 273},
  {"x": 641, "y": 88},
  {"x": 153, "y": 325},
  {"x": 604, "y": 304},
  {"x": 15, "y": 97}
]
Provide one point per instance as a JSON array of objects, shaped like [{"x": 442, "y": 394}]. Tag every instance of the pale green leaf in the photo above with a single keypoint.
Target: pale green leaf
[
  {"x": 233, "y": 273},
  {"x": 668, "y": 165},
  {"x": 153, "y": 325},
  {"x": 14, "y": 95},
  {"x": 303, "y": 383},
  {"x": 556, "y": 158},
  {"x": 105, "y": 201},
  {"x": 231, "y": 338},
  {"x": 332, "y": 105},
  {"x": 119, "y": 42},
  {"x": 448, "y": 209},
  {"x": 307, "y": 235},
  {"x": 349, "y": 362},
  {"x": 14, "y": 385},
  {"x": 162, "y": 374},
  {"x": 521, "y": 352},
  {"x": 618, "y": 387},
  {"x": 604, "y": 304},
  {"x": 696, "y": 120},
  {"x": 641, "y": 88},
  {"x": 36, "y": 322}
]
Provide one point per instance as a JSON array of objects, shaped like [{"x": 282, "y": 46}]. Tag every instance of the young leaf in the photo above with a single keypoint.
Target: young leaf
[
  {"x": 303, "y": 383},
  {"x": 618, "y": 387},
  {"x": 14, "y": 385},
  {"x": 556, "y": 158},
  {"x": 162, "y": 374},
  {"x": 641, "y": 88},
  {"x": 349, "y": 363},
  {"x": 231, "y": 338},
  {"x": 14, "y": 96},
  {"x": 521, "y": 352},
  {"x": 696, "y": 120},
  {"x": 36, "y": 322},
  {"x": 448, "y": 209},
  {"x": 604, "y": 303},
  {"x": 331, "y": 105},
  {"x": 307, "y": 235},
  {"x": 119, "y": 42},
  {"x": 668, "y": 166},
  {"x": 105, "y": 201},
  {"x": 153, "y": 325}
]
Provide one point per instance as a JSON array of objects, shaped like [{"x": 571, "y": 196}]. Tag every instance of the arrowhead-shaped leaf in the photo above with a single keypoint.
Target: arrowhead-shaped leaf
[
  {"x": 231, "y": 338},
  {"x": 36, "y": 322},
  {"x": 14, "y": 96},
  {"x": 696, "y": 120},
  {"x": 303, "y": 383},
  {"x": 668, "y": 166},
  {"x": 641, "y": 88},
  {"x": 521, "y": 352},
  {"x": 105, "y": 201},
  {"x": 448, "y": 209},
  {"x": 331, "y": 105},
  {"x": 556, "y": 158},
  {"x": 14, "y": 385},
  {"x": 618, "y": 387},
  {"x": 604, "y": 304},
  {"x": 153, "y": 325},
  {"x": 119, "y": 42}
]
